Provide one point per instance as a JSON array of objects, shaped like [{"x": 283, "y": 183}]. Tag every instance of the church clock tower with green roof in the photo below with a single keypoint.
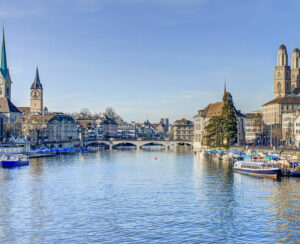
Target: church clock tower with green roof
[{"x": 5, "y": 81}]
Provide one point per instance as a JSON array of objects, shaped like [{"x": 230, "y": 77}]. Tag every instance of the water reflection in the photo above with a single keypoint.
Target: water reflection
[{"x": 126, "y": 196}]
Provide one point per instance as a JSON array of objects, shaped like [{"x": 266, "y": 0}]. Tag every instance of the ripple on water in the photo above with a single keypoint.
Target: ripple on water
[{"x": 126, "y": 197}]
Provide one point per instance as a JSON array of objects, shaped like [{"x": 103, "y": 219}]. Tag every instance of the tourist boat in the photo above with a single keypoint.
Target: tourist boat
[
  {"x": 8, "y": 161},
  {"x": 261, "y": 169}
]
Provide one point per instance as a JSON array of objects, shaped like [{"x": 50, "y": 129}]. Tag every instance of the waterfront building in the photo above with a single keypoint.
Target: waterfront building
[
  {"x": 203, "y": 117},
  {"x": 273, "y": 116},
  {"x": 109, "y": 127},
  {"x": 254, "y": 128},
  {"x": 296, "y": 130},
  {"x": 145, "y": 130},
  {"x": 288, "y": 129},
  {"x": 183, "y": 130},
  {"x": 51, "y": 127},
  {"x": 87, "y": 129},
  {"x": 127, "y": 130}
]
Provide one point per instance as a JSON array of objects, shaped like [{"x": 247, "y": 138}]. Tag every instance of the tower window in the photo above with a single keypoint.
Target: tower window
[
  {"x": 278, "y": 87},
  {"x": 0, "y": 91},
  {"x": 278, "y": 75},
  {"x": 7, "y": 91}
]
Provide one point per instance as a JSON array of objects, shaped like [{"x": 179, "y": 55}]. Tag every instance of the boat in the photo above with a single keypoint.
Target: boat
[
  {"x": 8, "y": 161},
  {"x": 261, "y": 169},
  {"x": 294, "y": 170}
]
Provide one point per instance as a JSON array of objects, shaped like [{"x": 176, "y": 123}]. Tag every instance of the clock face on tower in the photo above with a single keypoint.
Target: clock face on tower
[{"x": 35, "y": 94}]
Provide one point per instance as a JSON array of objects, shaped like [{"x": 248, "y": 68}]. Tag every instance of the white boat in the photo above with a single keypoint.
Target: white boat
[{"x": 261, "y": 169}]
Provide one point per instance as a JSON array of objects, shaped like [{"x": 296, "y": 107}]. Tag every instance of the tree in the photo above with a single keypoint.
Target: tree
[
  {"x": 230, "y": 123},
  {"x": 85, "y": 114},
  {"x": 215, "y": 131},
  {"x": 12, "y": 129},
  {"x": 110, "y": 112}
]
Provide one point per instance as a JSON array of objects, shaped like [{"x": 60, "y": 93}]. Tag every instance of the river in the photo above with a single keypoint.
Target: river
[{"x": 125, "y": 196}]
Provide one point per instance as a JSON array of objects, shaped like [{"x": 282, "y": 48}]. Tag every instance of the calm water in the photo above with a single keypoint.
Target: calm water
[{"x": 127, "y": 197}]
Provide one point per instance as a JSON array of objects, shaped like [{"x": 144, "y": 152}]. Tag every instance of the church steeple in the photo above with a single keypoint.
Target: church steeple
[
  {"x": 36, "y": 83},
  {"x": 3, "y": 63},
  {"x": 36, "y": 95}
]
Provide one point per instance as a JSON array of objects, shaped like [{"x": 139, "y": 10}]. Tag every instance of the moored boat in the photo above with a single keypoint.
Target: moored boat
[
  {"x": 261, "y": 169},
  {"x": 8, "y": 161}
]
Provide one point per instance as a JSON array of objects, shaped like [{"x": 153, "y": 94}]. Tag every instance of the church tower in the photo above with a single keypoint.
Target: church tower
[
  {"x": 36, "y": 95},
  {"x": 282, "y": 73},
  {"x": 5, "y": 81},
  {"x": 295, "y": 71}
]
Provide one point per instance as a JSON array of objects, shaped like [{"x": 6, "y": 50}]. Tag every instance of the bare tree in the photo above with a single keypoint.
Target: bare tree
[
  {"x": 12, "y": 129},
  {"x": 110, "y": 112}
]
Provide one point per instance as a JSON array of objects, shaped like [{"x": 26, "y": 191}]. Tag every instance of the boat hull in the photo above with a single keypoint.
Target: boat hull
[
  {"x": 272, "y": 173},
  {"x": 10, "y": 164},
  {"x": 295, "y": 173}
]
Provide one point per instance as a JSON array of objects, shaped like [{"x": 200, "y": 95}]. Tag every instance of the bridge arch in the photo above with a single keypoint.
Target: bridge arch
[
  {"x": 124, "y": 143},
  {"x": 181, "y": 143},
  {"x": 100, "y": 143},
  {"x": 153, "y": 143}
]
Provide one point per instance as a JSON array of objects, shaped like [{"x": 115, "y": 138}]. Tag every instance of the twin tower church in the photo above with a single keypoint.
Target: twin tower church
[
  {"x": 7, "y": 109},
  {"x": 287, "y": 78}
]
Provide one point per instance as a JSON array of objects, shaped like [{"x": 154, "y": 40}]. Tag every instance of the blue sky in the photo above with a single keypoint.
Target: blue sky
[{"x": 147, "y": 58}]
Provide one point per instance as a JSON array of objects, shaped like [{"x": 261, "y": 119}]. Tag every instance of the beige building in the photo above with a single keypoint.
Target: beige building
[
  {"x": 273, "y": 118},
  {"x": 288, "y": 130},
  {"x": 50, "y": 127},
  {"x": 182, "y": 130},
  {"x": 254, "y": 128},
  {"x": 296, "y": 130}
]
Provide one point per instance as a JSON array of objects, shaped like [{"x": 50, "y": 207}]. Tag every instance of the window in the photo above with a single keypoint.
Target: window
[
  {"x": 278, "y": 87},
  {"x": 278, "y": 75}
]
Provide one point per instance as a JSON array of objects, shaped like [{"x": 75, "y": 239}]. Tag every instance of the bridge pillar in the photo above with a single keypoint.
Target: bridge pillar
[
  {"x": 111, "y": 147},
  {"x": 167, "y": 147}
]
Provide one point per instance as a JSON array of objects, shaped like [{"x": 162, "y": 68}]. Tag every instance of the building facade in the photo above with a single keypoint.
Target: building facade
[
  {"x": 109, "y": 127},
  {"x": 254, "y": 128},
  {"x": 127, "y": 130},
  {"x": 183, "y": 130},
  {"x": 50, "y": 127}
]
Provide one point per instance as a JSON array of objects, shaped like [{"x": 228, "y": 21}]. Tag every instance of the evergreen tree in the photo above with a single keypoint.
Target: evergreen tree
[
  {"x": 230, "y": 123},
  {"x": 214, "y": 131}
]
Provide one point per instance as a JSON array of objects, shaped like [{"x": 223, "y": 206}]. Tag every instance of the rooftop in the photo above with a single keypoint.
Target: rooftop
[
  {"x": 6, "y": 106},
  {"x": 284, "y": 100}
]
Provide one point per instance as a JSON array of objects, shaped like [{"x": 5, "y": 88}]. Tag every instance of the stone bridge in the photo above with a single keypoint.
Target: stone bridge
[
  {"x": 111, "y": 144},
  {"x": 139, "y": 144}
]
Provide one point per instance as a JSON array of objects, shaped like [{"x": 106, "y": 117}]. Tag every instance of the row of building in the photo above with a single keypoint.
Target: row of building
[{"x": 278, "y": 124}]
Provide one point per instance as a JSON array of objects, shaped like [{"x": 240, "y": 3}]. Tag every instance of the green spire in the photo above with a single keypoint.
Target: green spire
[{"x": 3, "y": 64}]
